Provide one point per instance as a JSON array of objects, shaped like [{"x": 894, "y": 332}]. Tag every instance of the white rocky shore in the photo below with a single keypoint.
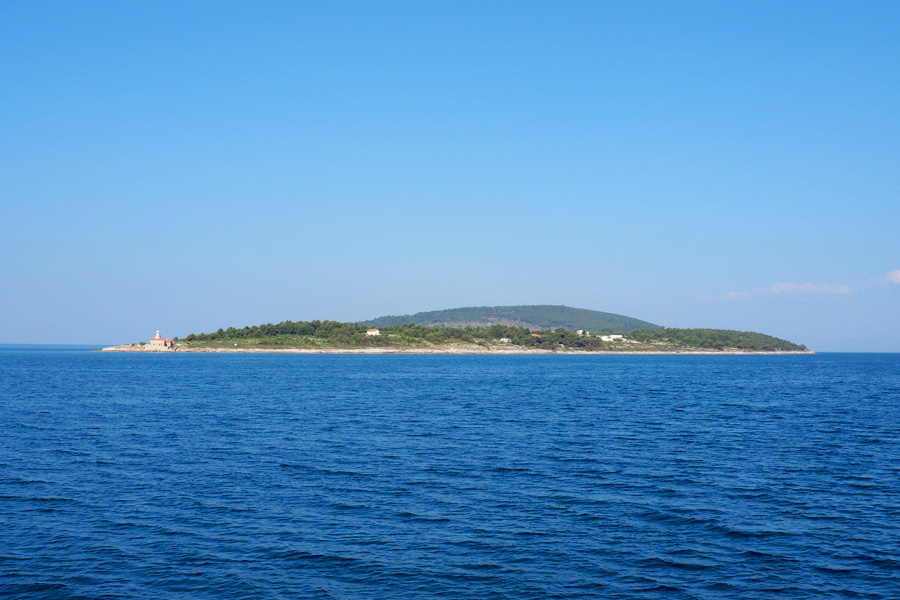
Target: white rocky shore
[{"x": 448, "y": 349}]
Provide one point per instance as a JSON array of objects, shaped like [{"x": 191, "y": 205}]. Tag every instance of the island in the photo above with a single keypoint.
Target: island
[{"x": 531, "y": 329}]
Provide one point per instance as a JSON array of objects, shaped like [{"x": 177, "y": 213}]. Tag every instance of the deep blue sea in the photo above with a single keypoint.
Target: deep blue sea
[{"x": 520, "y": 477}]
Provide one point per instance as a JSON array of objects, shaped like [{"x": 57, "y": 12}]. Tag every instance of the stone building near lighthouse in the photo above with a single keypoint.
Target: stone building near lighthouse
[{"x": 160, "y": 343}]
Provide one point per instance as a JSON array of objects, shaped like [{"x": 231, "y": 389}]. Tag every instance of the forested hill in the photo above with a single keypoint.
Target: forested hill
[
  {"x": 409, "y": 336},
  {"x": 541, "y": 316}
]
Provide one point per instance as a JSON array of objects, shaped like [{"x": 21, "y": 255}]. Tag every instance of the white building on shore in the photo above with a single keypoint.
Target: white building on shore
[{"x": 160, "y": 343}]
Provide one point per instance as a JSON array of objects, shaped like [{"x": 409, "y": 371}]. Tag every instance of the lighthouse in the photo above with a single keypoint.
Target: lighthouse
[{"x": 160, "y": 343}]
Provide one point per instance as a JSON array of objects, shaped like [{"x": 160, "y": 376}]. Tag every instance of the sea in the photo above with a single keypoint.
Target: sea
[{"x": 173, "y": 475}]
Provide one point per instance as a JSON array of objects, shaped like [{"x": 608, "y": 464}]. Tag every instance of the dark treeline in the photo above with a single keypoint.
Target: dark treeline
[
  {"x": 334, "y": 332},
  {"x": 717, "y": 339},
  {"x": 317, "y": 329},
  {"x": 341, "y": 334}
]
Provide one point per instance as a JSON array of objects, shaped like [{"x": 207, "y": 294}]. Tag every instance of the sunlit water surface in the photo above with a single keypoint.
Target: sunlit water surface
[{"x": 278, "y": 476}]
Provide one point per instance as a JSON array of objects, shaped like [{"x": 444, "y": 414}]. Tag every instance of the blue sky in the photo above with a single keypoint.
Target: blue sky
[{"x": 186, "y": 167}]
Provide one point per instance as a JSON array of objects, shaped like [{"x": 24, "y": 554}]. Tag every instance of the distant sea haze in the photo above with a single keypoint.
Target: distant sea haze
[{"x": 142, "y": 475}]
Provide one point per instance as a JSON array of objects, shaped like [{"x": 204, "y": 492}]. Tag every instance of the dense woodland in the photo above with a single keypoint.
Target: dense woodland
[
  {"x": 353, "y": 335},
  {"x": 532, "y": 316},
  {"x": 717, "y": 339}
]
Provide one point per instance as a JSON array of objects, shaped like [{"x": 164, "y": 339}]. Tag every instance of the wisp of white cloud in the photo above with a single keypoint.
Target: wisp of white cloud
[
  {"x": 781, "y": 289},
  {"x": 729, "y": 296},
  {"x": 806, "y": 288},
  {"x": 789, "y": 288}
]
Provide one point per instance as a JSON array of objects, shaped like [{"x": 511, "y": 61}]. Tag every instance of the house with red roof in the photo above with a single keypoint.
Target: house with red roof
[{"x": 160, "y": 343}]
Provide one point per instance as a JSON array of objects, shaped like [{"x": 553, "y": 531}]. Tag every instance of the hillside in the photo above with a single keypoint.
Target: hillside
[
  {"x": 332, "y": 336},
  {"x": 542, "y": 316},
  {"x": 497, "y": 329}
]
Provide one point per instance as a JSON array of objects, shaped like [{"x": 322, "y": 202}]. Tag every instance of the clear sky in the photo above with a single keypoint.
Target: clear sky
[{"x": 190, "y": 166}]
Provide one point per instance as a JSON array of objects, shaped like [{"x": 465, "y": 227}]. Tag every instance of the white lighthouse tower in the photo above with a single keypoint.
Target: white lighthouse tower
[{"x": 160, "y": 343}]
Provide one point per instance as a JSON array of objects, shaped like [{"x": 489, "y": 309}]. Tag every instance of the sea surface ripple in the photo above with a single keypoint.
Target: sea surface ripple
[{"x": 328, "y": 476}]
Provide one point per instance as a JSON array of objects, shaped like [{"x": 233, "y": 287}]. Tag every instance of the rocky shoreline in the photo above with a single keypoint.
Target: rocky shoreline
[{"x": 449, "y": 349}]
